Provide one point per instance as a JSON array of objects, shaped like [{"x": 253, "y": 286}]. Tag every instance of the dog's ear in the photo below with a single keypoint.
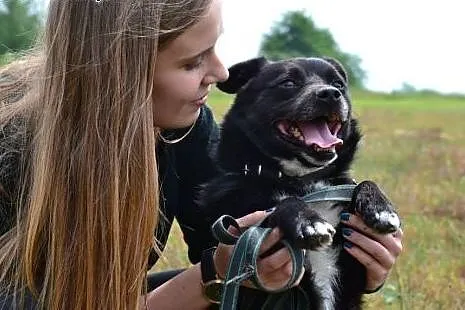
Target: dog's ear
[
  {"x": 240, "y": 74},
  {"x": 338, "y": 66}
]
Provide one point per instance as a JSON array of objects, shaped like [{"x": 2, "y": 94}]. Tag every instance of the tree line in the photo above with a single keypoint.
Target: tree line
[
  {"x": 295, "y": 35},
  {"x": 20, "y": 23}
]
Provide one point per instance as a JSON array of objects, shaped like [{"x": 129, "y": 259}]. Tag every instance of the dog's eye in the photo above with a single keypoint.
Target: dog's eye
[
  {"x": 287, "y": 83},
  {"x": 338, "y": 84}
]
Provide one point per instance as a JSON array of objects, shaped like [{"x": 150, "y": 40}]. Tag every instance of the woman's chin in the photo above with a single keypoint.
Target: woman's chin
[
  {"x": 180, "y": 122},
  {"x": 189, "y": 121}
]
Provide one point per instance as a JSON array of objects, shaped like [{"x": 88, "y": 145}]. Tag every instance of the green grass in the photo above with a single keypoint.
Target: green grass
[{"x": 414, "y": 147}]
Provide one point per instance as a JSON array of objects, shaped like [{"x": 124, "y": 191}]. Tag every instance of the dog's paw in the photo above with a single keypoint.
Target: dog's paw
[
  {"x": 316, "y": 234},
  {"x": 300, "y": 224},
  {"x": 383, "y": 221},
  {"x": 375, "y": 208}
]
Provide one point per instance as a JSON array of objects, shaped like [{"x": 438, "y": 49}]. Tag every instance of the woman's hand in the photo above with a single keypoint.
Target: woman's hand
[
  {"x": 375, "y": 251},
  {"x": 274, "y": 270}
]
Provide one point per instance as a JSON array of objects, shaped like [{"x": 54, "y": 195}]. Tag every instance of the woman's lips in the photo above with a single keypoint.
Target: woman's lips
[{"x": 201, "y": 101}]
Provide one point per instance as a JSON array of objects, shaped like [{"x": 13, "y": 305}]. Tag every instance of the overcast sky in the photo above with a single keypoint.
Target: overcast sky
[{"x": 418, "y": 42}]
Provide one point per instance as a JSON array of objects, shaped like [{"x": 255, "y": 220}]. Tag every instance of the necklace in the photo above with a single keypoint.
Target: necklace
[{"x": 178, "y": 139}]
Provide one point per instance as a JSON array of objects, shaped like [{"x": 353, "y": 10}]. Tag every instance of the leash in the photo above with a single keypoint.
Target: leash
[{"x": 243, "y": 262}]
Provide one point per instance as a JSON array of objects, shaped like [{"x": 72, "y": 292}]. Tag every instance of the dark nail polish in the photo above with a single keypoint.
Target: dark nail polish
[
  {"x": 345, "y": 216},
  {"x": 348, "y": 244},
  {"x": 346, "y": 231},
  {"x": 270, "y": 210}
]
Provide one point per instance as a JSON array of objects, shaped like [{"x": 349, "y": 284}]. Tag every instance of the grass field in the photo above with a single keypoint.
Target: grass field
[{"x": 414, "y": 147}]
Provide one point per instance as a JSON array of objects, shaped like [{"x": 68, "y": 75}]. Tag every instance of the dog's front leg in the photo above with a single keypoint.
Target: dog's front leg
[
  {"x": 301, "y": 225},
  {"x": 374, "y": 207}
]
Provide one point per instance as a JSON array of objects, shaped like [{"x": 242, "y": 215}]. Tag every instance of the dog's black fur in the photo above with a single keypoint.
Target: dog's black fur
[{"x": 264, "y": 165}]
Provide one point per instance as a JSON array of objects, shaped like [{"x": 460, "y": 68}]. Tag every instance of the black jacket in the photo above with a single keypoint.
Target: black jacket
[{"x": 183, "y": 167}]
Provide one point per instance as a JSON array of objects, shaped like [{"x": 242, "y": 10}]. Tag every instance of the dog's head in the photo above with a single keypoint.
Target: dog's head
[{"x": 296, "y": 111}]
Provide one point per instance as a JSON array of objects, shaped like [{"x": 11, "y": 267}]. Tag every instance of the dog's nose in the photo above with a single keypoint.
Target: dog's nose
[{"x": 328, "y": 93}]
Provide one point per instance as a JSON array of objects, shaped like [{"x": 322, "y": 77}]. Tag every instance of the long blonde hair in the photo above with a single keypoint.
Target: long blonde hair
[{"x": 87, "y": 205}]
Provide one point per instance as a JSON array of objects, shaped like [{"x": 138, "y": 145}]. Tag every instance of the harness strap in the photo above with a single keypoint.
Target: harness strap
[{"x": 333, "y": 193}]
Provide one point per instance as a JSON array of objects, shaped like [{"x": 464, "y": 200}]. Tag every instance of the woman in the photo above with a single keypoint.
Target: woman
[{"x": 116, "y": 91}]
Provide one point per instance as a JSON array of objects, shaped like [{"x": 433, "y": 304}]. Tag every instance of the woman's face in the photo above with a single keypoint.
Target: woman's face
[{"x": 185, "y": 71}]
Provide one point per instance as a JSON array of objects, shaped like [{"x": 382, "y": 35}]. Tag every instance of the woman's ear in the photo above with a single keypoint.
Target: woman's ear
[{"x": 240, "y": 74}]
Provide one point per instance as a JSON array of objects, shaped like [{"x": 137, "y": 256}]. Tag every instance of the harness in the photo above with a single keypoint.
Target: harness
[{"x": 243, "y": 262}]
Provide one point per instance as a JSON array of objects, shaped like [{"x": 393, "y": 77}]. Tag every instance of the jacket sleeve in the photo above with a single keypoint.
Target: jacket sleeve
[{"x": 195, "y": 166}]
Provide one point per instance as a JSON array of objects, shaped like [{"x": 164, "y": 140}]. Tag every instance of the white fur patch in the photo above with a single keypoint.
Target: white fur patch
[
  {"x": 293, "y": 167},
  {"x": 388, "y": 217},
  {"x": 322, "y": 262},
  {"x": 310, "y": 230},
  {"x": 315, "y": 186},
  {"x": 323, "y": 266},
  {"x": 322, "y": 229},
  {"x": 325, "y": 229},
  {"x": 315, "y": 162}
]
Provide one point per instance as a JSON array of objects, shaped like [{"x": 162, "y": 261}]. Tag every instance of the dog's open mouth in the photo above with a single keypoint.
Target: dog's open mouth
[{"x": 320, "y": 134}]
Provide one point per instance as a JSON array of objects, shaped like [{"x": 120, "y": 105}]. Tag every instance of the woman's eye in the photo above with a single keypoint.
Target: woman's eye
[
  {"x": 194, "y": 64},
  {"x": 288, "y": 83}
]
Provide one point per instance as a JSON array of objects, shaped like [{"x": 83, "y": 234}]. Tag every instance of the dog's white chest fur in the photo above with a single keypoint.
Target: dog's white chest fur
[
  {"x": 322, "y": 263},
  {"x": 323, "y": 266}
]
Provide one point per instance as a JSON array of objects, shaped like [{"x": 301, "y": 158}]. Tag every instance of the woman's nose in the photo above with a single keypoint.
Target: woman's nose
[{"x": 217, "y": 73}]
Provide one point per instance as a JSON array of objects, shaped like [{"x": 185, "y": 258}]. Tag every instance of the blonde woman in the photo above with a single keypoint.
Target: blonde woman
[{"x": 105, "y": 137}]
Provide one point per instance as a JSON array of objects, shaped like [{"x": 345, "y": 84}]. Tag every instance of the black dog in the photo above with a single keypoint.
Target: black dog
[{"x": 291, "y": 132}]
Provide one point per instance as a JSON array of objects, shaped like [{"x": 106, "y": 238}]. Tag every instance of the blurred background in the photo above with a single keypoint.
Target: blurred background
[
  {"x": 406, "y": 64},
  {"x": 394, "y": 45}
]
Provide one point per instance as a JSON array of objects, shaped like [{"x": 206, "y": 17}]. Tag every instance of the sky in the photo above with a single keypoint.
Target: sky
[{"x": 421, "y": 43}]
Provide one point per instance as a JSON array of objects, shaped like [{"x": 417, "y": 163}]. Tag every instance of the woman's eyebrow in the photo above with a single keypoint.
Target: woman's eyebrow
[{"x": 187, "y": 58}]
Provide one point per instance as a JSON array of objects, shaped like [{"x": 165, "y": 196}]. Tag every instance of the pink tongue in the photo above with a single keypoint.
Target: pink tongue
[{"x": 317, "y": 132}]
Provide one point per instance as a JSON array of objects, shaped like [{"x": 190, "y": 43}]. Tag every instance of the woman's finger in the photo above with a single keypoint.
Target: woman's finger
[
  {"x": 274, "y": 262},
  {"x": 392, "y": 242},
  {"x": 271, "y": 240},
  {"x": 370, "y": 246},
  {"x": 275, "y": 274},
  {"x": 252, "y": 218},
  {"x": 376, "y": 273},
  {"x": 247, "y": 221}
]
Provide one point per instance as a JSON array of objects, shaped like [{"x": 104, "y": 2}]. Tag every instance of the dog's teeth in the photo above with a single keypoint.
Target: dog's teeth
[
  {"x": 333, "y": 118},
  {"x": 321, "y": 149},
  {"x": 295, "y": 132}
]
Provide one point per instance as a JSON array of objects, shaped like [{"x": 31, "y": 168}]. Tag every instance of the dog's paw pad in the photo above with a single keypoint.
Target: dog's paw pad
[
  {"x": 387, "y": 221},
  {"x": 318, "y": 235}
]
